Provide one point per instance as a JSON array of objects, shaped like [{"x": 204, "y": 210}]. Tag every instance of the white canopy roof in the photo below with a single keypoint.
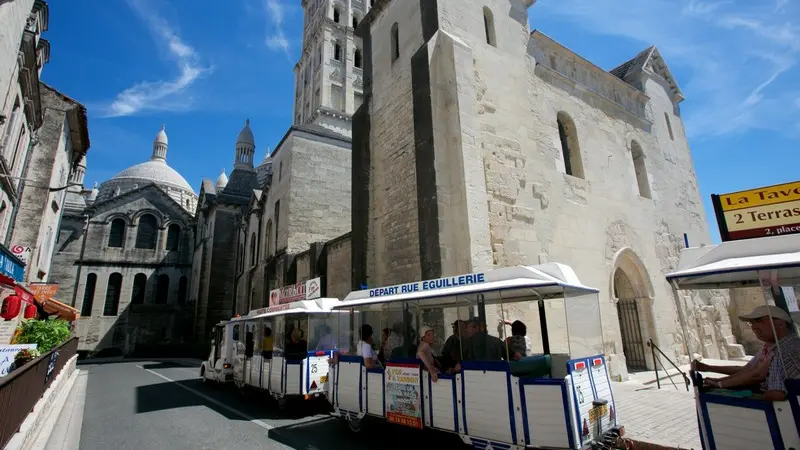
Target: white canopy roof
[
  {"x": 316, "y": 306},
  {"x": 737, "y": 263},
  {"x": 546, "y": 280}
]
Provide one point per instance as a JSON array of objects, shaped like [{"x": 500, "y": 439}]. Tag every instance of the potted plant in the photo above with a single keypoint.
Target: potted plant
[
  {"x": 25, "y": 356},
  {"x": 46, "y": 334}
]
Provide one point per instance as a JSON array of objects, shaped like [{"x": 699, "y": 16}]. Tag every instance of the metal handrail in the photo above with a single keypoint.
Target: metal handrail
[{"x": 657, "y": 361}]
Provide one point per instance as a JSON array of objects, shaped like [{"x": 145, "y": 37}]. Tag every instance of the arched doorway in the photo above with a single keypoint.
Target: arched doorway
[{"x": 633, "y": 294}]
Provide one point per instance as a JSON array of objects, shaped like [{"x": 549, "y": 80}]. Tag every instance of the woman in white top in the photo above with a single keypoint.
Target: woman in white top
[{"x": 365, "y": 348}]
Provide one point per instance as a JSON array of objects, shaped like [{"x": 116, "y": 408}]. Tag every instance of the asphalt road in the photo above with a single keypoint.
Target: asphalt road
[{"x": 156, "y": 405}]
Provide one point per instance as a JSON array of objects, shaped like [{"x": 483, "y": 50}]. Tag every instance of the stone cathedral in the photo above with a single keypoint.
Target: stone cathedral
[{"x": 482, "y": 144}]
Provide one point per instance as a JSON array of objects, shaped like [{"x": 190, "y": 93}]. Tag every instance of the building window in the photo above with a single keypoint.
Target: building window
[
  {"x": 147, "y": 233},
  {"x": 10, "y": 128},
  {"x": 395, "y": 42},
  {"x": 162, "y": 289},
  {"x": 337, "y": 15},
  {"x": 277, "y": 222},
  {"x": 88, "y": 295},
  {"x": 139, "y": 287},
  {"x": 116, "y": 238},
  {"x": 183, "y": 284},
  {"x": 355, "y": 21},
  {"x": 669, "y": 126},
  {"x": 488, "y": 26},
  {"x": 357, "y": 58},
  {"x": 337, "y": 51},
  {"x": 573, "y": 165},
  {"x": 641, "y": 171},
  {"x": 173, "y": 237},
  {"x": 111, "y": 308}
]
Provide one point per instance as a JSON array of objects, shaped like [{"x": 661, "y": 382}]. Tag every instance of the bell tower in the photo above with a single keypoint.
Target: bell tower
[{"x": 329, "y": 76}]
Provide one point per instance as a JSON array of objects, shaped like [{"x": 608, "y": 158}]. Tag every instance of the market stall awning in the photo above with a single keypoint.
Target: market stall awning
[
  {"x": 55, "y": 307},
  {"x": 738, "y": 263}
]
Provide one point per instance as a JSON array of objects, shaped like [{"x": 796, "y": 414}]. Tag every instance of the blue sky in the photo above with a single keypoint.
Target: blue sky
[{"x": 202, "y": 67}]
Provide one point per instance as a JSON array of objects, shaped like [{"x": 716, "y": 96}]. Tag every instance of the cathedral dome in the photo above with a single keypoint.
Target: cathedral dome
[{"x": 246, "y": 135}]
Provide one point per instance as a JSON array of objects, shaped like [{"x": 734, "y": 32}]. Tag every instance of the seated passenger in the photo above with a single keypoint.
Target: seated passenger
[
  {"x": 425, "y": 352},
  {"x": 772, "y": 365},
  {"x": 365, "y": 348},
  {"x": 451, "y": 351},
  {"x": 480, "y": 345},
  {"x": 296, "y": 347},
  {"x": 516, "y": 343},
  {"x": 327, "y": 341},
  {"x": 266, "y": 343},
  {"x": 394, "y": 340},
  {"x": 382, "y": 351}
]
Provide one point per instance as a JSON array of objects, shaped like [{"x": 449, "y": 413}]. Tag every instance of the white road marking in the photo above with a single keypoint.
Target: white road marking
[{"x": 211, "y": 400}]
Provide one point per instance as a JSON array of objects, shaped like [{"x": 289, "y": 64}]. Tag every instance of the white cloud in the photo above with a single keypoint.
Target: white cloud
[
  {"x": 735, "y": 60},
  {"x": 277, "y": 40},
  {"x": 163, "y": 95}
]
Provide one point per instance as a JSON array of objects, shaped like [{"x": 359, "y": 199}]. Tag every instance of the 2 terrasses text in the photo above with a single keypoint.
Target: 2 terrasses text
[{"x": 427, "y": 285}]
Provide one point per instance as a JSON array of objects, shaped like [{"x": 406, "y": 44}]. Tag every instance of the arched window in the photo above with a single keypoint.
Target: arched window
[
  {"x": 337, "y": 51},
  {"x": 641, "y": 171},
  {"x": 395, "y": 42},
  {"x": 355, "y": 21},
  {"x": 182, "y": 289},
  {"x": 162, "y": 289},
  {"x": 357, "y": 58},
  {"x": 253, "y": 255},
  {"x": 268, "y": 234},
  {"x": 88, "y": 295},
  {"x": 337, "y": 15},
  {"x": 571, "y": 151},
  {"x": 488, "y": 25},
  {"x": 669, "y": 126},
  {"x": 116, "y": 238},
  {"x": 139, "y": 287},
  {"x": 147, "y": 233},
  {"x": 241, "y": 257},
  {"x": 173, "y": 237},
  {"x": 111, "y": 308}
]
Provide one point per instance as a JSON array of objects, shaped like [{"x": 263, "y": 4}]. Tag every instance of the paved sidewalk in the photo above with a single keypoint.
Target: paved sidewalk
[
  {"x": 665, "y": 417},
  {"x": 66, "y": 426}
]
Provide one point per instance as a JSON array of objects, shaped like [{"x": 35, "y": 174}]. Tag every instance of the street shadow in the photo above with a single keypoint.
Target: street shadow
[
  {"x": 317, "y": 435},
  {"x": 225, "y": 400}
]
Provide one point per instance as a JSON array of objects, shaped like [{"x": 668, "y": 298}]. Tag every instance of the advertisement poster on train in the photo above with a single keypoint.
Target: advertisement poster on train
[{"x": 403, "y": 395}]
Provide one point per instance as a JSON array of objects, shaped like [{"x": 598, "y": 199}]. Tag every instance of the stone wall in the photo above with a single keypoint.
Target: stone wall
[
  {"x": 68, "y": 251},
  {"x": 468, "y": 173},
  {"x": 338, "y": 279}
]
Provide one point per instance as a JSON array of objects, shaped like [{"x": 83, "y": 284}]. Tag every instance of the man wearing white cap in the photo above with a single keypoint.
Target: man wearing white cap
[
  {"x": 425, "y": 351},
  {"x": 772, "y": 365}
]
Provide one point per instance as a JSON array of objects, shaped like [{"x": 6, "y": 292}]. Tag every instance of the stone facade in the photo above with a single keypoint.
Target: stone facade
[
  {"x": 305, "y": 203},
  {"x": 125, "y": 258},
  {"x": 23, "y": 53},
  {"x": 482, "y": 145},
  {"x": 63, "y": 142}
]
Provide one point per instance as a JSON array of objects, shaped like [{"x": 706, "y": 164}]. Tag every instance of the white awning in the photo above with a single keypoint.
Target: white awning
[
  {"x": 546, "y": 280},
  {"x": 316, "y": 306},
  {"x": 738, "y": 263}
]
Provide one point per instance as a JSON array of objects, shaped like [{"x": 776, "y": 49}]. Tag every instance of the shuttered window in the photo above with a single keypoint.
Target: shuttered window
[
  {"x": 162, "y": 291},
  {"x": 88, "y": 295},
  {"x": 139, "y": 287},
  {"x": 173, "y": 237},
  {"x": 116, "y": 238},
  {"x": 147, "y": 233},
  {"x": 182, "y": 288},
  {"x": 111, "y": 308}
]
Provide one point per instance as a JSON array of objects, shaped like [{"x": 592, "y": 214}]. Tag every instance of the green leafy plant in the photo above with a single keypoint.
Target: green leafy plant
[
  {"x": 46, "y": 334},
  {"x": 24, "y": 356}
]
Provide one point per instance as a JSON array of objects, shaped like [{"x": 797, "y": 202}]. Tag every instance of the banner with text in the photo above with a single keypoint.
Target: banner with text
[
  {"x": 403, "y": 395},
  {"x": 762, "y": 212},
  {"x": 308, "y": 290}
]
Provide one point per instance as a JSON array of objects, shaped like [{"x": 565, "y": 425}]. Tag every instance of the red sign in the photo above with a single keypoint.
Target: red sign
[
  {"x": 597, "y": 362},
  {"x": 24, "y": 295},
  {"x": 580, "y": 365},
  {"x": 43, "y": 291}
]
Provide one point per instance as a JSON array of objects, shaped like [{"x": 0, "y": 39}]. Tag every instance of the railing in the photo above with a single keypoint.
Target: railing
[
  {"x": 21, "y": 389},
  {"x": 656, "y": 361}
]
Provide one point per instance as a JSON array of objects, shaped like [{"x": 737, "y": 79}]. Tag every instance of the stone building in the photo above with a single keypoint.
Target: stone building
[
  {"x": 220, "y": 210},
  {"x": 61, "y": 145},
  {"x": 481, "y": 144},
  {"x": 23, "y": 53},
  {"x": 329, "y": 76},
  {"x": 133, "y": 240}
]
